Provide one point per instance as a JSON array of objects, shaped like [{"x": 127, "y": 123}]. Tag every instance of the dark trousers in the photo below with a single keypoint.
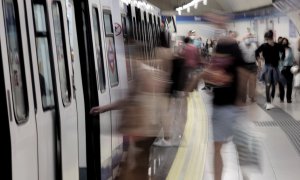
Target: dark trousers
[
  {"x": 286, "y": 72},
  {"x": 270, "y": 89}
]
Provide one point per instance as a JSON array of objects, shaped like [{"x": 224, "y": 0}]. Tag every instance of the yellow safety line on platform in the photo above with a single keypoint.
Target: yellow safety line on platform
[{"x": 194, "y": 140}]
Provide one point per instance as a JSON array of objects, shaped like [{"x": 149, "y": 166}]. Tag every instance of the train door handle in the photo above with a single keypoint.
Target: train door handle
[{"x": 9, "y": 106}]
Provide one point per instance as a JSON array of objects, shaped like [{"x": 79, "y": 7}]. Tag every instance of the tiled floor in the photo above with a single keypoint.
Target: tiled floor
[{"x": 280, "y": 159}]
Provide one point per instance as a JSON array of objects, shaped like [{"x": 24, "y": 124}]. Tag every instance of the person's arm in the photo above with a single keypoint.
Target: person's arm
[
  {"x": 258, "y": 51},
  {"x": 113, "y": 106}
]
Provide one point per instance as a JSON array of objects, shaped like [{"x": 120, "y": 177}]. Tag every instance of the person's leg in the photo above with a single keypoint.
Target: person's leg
[
  {"x": 142, "y": 158},
  {"x": 268, "y": 87},
  {"x": 243, "y": 82},
  {"x": 218, "y": 162},
  {"x": 252, "y": 86},
  {"x": 289, "y": 85},
  {"x": 140, "y": 155},
  {"x": 281, "y": 91},
  {"x": 273, "y": 89}
]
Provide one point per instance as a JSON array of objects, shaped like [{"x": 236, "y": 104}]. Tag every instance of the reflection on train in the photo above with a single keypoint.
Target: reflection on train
[{"x": 59, "y": 58}]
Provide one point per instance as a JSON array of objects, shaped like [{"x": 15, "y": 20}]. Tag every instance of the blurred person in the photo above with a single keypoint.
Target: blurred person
[
  {"x": 209, "y": 48},
  {"x": 279, "y": 40},
  {"x": 192, "y": 34},
  {"x": 248, "y": 83},
  {"x": 233, "y": 35},
  {"x": 223, "y": 72},
  {"x": 143, "y": 111},
  {"x": 191, "y": 57},
  {"x": 298, "y": 62},
  {"x": 298, "y": 45},
  {"x": 197, "y": 41},
  {"x": 168, "y": 61},
  {"x": 270, "y": 73},
  {"x": 285, "y": 70}
]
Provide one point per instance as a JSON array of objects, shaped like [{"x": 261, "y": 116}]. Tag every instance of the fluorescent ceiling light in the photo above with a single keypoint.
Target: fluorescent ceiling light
[
  {"x": 190, "y": 4},
  {"x": 196, "y": 5}
]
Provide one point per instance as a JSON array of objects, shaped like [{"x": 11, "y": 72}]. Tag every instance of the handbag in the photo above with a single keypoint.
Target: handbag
[
  {"x": 294, "y": 69},
  {"x": 248, "y": 144},
  {"x": 297, "y": 80}
]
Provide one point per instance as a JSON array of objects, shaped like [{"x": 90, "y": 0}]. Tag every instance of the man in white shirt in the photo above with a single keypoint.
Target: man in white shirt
[{"x": 248, "y": 81}]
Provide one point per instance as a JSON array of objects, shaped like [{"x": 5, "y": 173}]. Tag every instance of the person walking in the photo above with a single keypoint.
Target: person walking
[
  {"x": 270, "y": 74},
  {"x": 285, "y": 69},
  {"x": 248, "y": 84}
]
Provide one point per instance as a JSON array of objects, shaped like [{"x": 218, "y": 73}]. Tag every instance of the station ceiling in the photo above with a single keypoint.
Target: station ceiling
[{"x": 222, "y": 5}]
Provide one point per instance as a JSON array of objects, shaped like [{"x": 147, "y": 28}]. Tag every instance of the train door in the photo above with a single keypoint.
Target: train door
[
  {"x": 18, "y": 112},
  {"x": 103, "y": 86},
  {"x": 66, "y": 100},
  {"x": 44, "y": 88},
  {"x": 114, "y": 83},
  {"x": 79, "y": 89},
  {"x": 56, "y": 115}
]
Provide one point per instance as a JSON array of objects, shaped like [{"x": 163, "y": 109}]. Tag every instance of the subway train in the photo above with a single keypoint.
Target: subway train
[{"x": 59, "y": 58}]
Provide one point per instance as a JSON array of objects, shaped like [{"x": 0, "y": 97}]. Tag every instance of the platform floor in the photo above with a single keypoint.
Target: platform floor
[{"x": 281, "y": 144}]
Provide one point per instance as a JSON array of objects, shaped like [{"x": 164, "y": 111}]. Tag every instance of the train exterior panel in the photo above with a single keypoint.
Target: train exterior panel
[{"x": 59, "y": 58}]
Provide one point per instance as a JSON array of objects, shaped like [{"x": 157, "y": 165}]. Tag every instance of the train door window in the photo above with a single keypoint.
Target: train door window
[
  {"x": 16, "y": 61},
  {"x": 61, "y": 53},
  {"x": 124, "y": 26},
  {"x": 110, "y": 49},
  {"x": 126, "y": 36},
  {"x": 97, "y": 34},
  {"x": 134, "y": 29},
  {"x": 43, "y": 56}
]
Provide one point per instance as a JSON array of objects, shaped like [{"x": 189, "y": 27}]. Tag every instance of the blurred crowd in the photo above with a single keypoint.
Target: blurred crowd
[{"x": 229, "y": 69}]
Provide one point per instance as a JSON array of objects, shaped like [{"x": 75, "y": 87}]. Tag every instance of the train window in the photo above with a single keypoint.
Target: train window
[
  {"x": 134, "y": 29},
  {"x": 108, "y": 23},
  {"x": 61, "y": 53},
  {"x": 110, "y": 49},
  {"x": 43, "y": 56},
  {"x": 16, "y": 61},
  {"x": 124, "y": 26},
  {"x": 97, "y": 34},
  {"x": 126, "y": 35}
]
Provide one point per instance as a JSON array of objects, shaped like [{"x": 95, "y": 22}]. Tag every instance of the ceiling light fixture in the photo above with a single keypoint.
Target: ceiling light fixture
[
  {"x": 196, "y": 5},
  {"x": 190, "y": 4}
]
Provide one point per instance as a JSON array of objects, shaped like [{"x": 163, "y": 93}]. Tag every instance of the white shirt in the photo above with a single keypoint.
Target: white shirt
[{"x": 248, "y": 52}]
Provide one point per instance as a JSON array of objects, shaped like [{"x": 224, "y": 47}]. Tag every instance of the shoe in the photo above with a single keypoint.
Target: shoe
[
  {"x": 289, "y": 101},
  {"x": 281, "y": 100},
  {"x": 162, "y": 143},
  {"x": 269, "y": 106}
]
